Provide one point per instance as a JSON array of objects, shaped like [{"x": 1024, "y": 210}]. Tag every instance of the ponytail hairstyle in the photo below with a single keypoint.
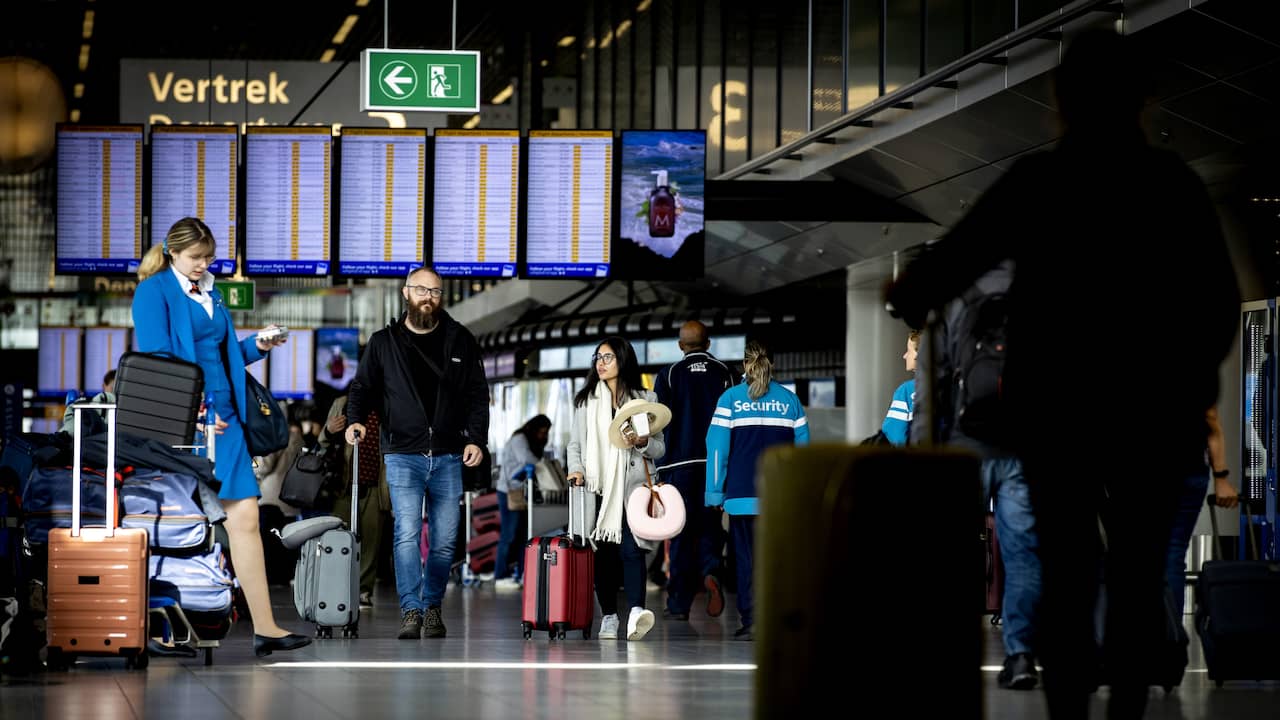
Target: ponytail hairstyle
[
  {"x": 759, "y": 368},
  {"x": 185, "y": 233}
]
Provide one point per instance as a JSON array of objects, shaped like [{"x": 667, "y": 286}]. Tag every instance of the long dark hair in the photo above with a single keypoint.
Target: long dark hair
[
  {"x": 629, "y": 383},
  {"x": 530, "y": 431}
]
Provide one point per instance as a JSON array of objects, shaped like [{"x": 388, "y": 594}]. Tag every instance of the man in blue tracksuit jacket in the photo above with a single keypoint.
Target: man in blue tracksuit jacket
[
  {"x": 749, "y": 418},
  {"x": 691, "y": 389}
]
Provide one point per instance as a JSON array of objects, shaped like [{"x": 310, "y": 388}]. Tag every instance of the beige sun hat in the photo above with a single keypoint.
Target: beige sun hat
[{"x": 659, "y": 417}]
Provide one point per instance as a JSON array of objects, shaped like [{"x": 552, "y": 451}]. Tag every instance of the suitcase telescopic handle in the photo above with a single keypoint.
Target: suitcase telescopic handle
[
  {"x": 355, "y": 486},
  {"x": 1212, "y": 501},
  {"x": 581, "y": 491},
  {"x": 77, "y": 438}
]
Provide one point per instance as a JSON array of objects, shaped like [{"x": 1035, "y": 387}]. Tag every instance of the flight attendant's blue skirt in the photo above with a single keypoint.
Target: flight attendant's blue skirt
[{"x": 232, "y": 464}]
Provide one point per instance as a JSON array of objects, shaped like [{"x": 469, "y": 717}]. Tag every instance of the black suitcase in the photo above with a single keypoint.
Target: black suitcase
[
  {"x": 1236, "y": 616},
  {"x": 158, "y": 397}
]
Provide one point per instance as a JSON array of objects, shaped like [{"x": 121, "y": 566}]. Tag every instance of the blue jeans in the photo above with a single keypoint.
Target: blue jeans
[
  {"x": 1190, "y": 502},
  {"x": 511, "y": 522},
  {"x": 439, "y": 477},
  {"x": 1002, "y": 479}
]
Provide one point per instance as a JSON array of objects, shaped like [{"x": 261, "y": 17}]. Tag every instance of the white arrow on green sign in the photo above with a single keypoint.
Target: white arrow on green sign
[{"x": 420, "y": 80}]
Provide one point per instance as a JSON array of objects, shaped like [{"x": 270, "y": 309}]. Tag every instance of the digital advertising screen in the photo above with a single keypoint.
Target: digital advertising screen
[
  {"x": 99, "y": 196},
  {"x": 381, "y": 200},
  {"x": 286, "y": 202},
  {"x": 337, "y": 350},
  {"x": 569, "y": 206},
  {"x": 291, "y": 371},
  {"x": 193, "y": 174},
  {"x": 59, "y": 359},
  {"x": 475, "y": 213},
  {"x": 103, "y": 347},
  {"x": 660, "y": 208}
]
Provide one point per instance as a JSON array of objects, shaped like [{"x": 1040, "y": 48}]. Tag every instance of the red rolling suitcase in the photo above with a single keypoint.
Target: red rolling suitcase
[
  {"x": 97, "y": 577},
  {"x": 559, "y": 578}
]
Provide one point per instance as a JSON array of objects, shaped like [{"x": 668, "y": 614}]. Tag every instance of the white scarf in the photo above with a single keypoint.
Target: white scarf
[{"x": 605, "y": 466}]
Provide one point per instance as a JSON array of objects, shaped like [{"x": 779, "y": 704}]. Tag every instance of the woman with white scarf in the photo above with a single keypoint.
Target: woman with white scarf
[{"x": 612, "y": 474}]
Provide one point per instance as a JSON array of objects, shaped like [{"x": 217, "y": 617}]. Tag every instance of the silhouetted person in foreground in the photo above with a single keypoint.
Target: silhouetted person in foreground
[{"x": 1093, "y": 227}]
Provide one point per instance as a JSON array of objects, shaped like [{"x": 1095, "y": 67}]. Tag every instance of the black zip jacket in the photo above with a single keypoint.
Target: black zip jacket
[{"x": 383, "y": 382}]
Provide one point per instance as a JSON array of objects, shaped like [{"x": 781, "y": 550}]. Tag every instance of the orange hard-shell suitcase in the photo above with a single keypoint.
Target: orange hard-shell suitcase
[{"x": 97, "y": 576}]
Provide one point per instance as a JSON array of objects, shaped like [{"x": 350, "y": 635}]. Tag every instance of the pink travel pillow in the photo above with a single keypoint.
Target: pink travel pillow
[{"x": 657, "y": 513}]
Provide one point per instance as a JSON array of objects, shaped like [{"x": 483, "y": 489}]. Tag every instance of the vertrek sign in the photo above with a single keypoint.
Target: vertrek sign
[{"x": 231, "y": 92}]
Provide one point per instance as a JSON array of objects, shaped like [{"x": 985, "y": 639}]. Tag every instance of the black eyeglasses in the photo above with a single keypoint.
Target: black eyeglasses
[
  {"x": 421, "y": 291},
  {"x": 605, "y": 358}
]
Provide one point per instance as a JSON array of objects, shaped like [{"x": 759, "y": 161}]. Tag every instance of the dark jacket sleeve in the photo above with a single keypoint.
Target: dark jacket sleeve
[
  {"x": 476, "y": 394},
  {"x": 661, "y": 388},
  {"x": 365, "y": 393}
]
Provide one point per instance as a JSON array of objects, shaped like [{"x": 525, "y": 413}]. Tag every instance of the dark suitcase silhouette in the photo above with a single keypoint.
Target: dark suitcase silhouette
[{"x": 158, "y": 397}]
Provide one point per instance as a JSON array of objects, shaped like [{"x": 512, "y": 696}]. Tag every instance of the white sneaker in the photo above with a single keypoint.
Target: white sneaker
[
  {"x": 639, "y": 624},
  {"x": 484, "y": 577},
  {"x": 608, "y": 628},
  {"x": 507, "y": 583}
]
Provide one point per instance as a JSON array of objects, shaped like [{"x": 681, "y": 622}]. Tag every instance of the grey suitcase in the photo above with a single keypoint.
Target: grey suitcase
[{"x": 326, "y": 588}]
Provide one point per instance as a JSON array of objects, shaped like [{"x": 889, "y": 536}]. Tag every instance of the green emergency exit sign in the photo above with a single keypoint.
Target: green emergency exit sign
[
  {"x": 237, "y": 295},
  {"x": 420, "y": 80}
]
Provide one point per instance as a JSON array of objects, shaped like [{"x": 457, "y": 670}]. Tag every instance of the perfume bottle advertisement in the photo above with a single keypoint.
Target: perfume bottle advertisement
[
  {"x": 661, "y": 210},
  {"x": 337, "y": 350}
]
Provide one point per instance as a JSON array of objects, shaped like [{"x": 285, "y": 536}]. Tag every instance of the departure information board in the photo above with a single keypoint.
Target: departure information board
[
  {"x": 103, "y": 347},
  {"x": 476, "y": 201},
  {"x": 570, "y": 203},
  {"x": 99, "y": 198},
  {"x": 258, "y": 369},
  {"x": 59, "y": 358},
  {"x": 193, "y": 174},
  {"x": 381, "y": 200},
  {"x": 287, "y": 200},
  {"x": 292, "y": 371}
]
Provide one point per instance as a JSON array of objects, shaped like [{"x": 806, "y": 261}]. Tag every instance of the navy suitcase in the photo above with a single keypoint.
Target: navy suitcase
[
  {"x": 1236, "y": 616},
  {"x": 158, "y": 397}
]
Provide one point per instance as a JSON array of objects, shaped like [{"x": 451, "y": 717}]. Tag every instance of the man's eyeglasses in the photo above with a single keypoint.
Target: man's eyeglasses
[
  {"x": 605, "y": 358},
  {"x": 421, "y": 291}
]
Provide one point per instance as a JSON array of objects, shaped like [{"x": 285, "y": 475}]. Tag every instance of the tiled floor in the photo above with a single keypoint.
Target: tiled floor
[{"x": 486, "y": 669}]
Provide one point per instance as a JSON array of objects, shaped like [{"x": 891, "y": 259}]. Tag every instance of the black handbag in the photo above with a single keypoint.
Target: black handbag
[
  {"x": 310, "y": 484},
  {"x": 266, "y": 429}
]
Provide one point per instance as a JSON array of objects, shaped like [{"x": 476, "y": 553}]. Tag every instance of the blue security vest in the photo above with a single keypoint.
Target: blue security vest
[{"x": 741, "y": 429}]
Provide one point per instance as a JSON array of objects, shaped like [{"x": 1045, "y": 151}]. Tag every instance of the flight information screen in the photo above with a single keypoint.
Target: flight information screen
[
  {"x": 287, "y": 200},
  {"x": 291, "y": 372},
  {"x": 103, "y": 347},
  {"x": 477, "y": 193},
  {"x": 59, "y": 359},
  {"x": 99, "y": 217},
  {"x": 193, "y": 174},
  {"x": 570, "y": 203},
  {"x": 381, "y": 200}
]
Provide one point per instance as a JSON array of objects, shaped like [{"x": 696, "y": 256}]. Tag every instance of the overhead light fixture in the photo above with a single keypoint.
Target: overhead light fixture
[
  {"x": 84, "y": 57},
  {"x": 644, "y": 5},
  {"x": 546, "y": 63},
  {"x": 566, "y": 41},
  {"x": 608, "y": 39},
  {"x": 472, "y": 121},
  {"x": 75, "y": 116},
  {"x": 503, "y": 94},
  {"x": 79, "y": 90},
  {"x": 341, "y": 36},
  {"x": 327, "y": 55},
  {"x": 361, "y": 3},
  {"x": 87, "y": 31},
  {"x": 591, "y": 42}
]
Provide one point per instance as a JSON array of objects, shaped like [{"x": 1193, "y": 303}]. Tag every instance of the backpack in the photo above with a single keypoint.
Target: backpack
[{"x": 978, "y": 355}]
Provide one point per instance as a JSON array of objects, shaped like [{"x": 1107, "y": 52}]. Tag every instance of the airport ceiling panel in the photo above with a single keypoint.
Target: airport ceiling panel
[{"x": 1229, "y": 111}]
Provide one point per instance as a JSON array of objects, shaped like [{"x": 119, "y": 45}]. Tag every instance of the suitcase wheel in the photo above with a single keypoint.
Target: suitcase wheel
[
  {"x": 351, "y": 631},
  {"x": 58, "y": 662},
  {"x": 138, "y": 661},
  {"x": 528, "y": 629},
  {"x": 323, "y": 632},
  {"x": 586, "y": 633}
]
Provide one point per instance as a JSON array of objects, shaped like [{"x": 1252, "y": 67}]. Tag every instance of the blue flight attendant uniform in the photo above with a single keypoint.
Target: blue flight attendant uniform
[{"x": 168, "y": 318}]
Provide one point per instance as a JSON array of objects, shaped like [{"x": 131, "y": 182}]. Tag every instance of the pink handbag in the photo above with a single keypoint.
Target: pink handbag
[{"x": 655, "y": 512}]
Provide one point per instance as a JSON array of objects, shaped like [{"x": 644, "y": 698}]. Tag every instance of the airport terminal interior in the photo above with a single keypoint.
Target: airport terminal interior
[{"x": 603, "y": 191}]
